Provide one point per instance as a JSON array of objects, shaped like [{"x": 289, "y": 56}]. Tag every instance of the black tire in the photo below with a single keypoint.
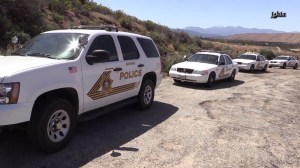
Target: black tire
[
  {"x": 52, "y": 125},
  {"x": 295, "y": 66},
  {"x": 146, "y": 94},
  {"x": 232, "y": 76},
  {"x": 283, "y": 66},
  {"x": 265, "y": 68},
  {"x": 211, "y": 80},
  {"x": 177, "y": 81},
  {"x": 252, "y": 69}
]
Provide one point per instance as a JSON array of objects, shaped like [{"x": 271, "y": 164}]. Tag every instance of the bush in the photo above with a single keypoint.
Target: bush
[
  {"x": 126, "y": 23},
  {"x": 57, "y": 18},
  {"x": 267, "y": 53}
]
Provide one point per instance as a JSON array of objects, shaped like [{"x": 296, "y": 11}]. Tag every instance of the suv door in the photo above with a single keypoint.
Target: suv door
[
  {"x": 101, "y": 80},
  {"x": 133, "y": 68}
]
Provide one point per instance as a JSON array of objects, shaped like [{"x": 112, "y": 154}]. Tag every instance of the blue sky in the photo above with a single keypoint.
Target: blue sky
[{"x": 208, "y": 13}]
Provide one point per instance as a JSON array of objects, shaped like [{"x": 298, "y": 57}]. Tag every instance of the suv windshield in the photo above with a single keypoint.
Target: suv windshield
[
  {"x": 52, "y": 45},
  {"x": 249, "y": 57},
  {"x": 204, "y": 58},
  {"x": 281, "y": 58}
]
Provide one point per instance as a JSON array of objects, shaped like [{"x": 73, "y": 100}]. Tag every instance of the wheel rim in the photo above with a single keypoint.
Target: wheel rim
[
  {"x": 148, "y": 95},
  {"x": 58, "y": 126}
]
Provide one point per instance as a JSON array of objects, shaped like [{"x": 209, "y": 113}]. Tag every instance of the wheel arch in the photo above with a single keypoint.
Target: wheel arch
[
  {"x": 152, "y": 76},
  {"x": 69, "y": 94}
]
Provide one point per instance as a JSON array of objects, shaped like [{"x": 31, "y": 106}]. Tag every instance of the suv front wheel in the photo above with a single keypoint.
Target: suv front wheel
[
  {"x": 51, "y": 126},
  {"x": 146, "y": 94}
]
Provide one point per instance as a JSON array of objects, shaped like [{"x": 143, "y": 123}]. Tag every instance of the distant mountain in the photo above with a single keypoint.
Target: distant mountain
[
  {"x": 197, "y": 34},
  {"x": 226, "y": 31},
  {"x": 292, "y": 38}
]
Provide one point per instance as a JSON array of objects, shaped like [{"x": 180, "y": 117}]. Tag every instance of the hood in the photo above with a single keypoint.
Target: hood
[
  {"x": 13, "y": 64},
  {"x": 243, "y": 60},
  {"x": 195, "y": 65}
]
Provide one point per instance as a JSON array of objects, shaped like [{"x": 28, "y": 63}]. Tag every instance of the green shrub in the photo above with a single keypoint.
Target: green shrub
[
  {"x": 126, "y": 23},
  {"x": 57, "y": 18},
  {"x": 267, "y": 53}
]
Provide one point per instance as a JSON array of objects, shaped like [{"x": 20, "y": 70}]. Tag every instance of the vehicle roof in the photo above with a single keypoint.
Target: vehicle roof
[
  {"x": 284, "y": 56},
  {"x": 210, "y": 53},
  {"x": 93, "y": 32},
  {"x": 251, "y": 53}
]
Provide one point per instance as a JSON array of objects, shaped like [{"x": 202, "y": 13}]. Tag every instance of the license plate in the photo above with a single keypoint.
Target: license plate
[{"x": 181, "y": 76}]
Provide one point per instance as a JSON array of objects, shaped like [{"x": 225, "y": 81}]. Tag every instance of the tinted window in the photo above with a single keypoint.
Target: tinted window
[
  {"x": 222, "y": 59},
  {"x": 249, "y": 57},
  {"x": 228, "y": 59},
  {"x": 104, "y": 42},
  {"x": 148, "y": 47},
  {"x": 292, "y": 58},
  {"x": 262, "y": 58},
  {"x": 128, "y": 48}
]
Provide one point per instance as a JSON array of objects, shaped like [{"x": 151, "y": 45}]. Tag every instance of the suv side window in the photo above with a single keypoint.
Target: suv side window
[
  {"x": 104, "y": 42},
  {"x": 258, "y": 58},
  {"x": 228, "y": 59},
  {"x": 128, "y": 48},
  {"x": 148, "y": 47},
  {"x": 262, "y": 58}
]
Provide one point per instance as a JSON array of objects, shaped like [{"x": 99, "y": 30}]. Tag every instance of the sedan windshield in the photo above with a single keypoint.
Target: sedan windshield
[
  {"x": 281, "y": 58},
  {"x": 52, "y": 45},
  {"x": 203, "y": 58},
  {"x": 249, "y": 57}
]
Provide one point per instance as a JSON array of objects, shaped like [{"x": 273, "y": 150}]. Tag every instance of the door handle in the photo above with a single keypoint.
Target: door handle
[
  {"x": 141, "y": 65},
  {"x": 118, "y": 69}
]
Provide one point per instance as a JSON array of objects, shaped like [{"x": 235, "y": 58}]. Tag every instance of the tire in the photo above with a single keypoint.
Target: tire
[
  {"x": 296, "y": 66},
  {"x": 177, "y": 81},
  {"x": 146, "y": 95},
  {"x": 252, "y": 69},
  {"x": 265, "y": 68},
  {"x": 211, "y": 80},
  {"x": 232, "y": 76},
  {"x": 52, "y": 125},
  {"x": 283, "y": 66}
]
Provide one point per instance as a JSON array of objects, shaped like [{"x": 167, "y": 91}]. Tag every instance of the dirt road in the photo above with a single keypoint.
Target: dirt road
[{"x": 252, "y": 122}]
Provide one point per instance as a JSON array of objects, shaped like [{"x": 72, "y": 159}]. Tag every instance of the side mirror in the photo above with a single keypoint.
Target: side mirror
[
  {"x": 97, "y": 56},
  {"x": 185, "y": 58}
]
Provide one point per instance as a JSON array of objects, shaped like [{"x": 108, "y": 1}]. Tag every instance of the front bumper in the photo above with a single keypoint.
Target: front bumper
[
  {"x": 244, "y": 67},
  {"x": 184, "y": 77},
  {"x": 278, "y": 64},
  {"x": 15, "y": 113}
]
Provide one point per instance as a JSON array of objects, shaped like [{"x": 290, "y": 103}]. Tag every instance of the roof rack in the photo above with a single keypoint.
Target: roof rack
[
  {"x": 97, "y": 27},
  {"x": 221, "y": 52}
]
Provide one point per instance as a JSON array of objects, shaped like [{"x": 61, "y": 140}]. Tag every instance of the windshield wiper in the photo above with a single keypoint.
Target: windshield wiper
[{"x": 37, "y": 54}]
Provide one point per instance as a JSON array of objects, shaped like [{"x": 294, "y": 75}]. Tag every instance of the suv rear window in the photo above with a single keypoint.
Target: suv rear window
[{"x": 148, "y": 47}]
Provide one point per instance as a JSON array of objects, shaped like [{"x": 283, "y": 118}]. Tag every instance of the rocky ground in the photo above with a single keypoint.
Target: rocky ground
[{"x": 251, "y": 122}]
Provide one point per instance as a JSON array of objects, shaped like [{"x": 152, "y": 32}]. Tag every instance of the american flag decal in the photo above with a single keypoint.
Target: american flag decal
[{"x": 72, "y": 69}]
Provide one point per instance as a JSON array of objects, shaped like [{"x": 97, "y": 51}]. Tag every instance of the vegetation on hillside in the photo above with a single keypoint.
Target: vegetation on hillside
[{"x": 26, "y": 19}]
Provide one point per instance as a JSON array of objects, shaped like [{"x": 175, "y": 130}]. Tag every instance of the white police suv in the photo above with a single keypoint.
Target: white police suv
[{"x": 59, "y": 76}]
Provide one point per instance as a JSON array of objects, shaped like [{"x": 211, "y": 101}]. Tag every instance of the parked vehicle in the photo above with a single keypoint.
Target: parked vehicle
[
  {"x": 283, "y": 62},
  {"x": 204, "y": 67},
  {"x": 252, "y": 61},
  {"x": 60, "y": 76}
]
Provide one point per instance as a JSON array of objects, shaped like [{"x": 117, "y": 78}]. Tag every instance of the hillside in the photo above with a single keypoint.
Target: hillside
[
  {"x": 292, "y": 38},
  {"x": 26, "y": 19}
]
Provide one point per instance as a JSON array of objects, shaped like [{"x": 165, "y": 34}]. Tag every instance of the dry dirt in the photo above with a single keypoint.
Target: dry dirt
[{"x": 251, "y": 122}]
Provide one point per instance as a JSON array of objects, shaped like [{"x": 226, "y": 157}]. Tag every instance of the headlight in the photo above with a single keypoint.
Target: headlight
[
  {"x": 173, "y": 69},
  {"x": 9, "y": 93},
  {"x": 200, "y": 72}
]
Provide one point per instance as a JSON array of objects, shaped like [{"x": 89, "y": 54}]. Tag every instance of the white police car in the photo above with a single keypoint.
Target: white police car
[
  {"x": 283, "y": 62},
  {"x": 251, "y": 61}
]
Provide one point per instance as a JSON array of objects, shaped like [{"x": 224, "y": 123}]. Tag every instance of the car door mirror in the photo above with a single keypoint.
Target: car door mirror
[{"x": 97, "y": 56}]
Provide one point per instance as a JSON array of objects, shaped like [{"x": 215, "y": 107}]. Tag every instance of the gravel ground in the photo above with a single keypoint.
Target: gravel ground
[{"x": 251, "y": 122}]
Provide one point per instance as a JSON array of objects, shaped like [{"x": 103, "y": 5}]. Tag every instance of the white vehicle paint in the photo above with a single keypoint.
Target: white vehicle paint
[
  {"x": 284, "y": 61},
  {"x": 251, "y": 61},
  {"x": 204, "y": 67},
  {"x": 67, "y": 73}
]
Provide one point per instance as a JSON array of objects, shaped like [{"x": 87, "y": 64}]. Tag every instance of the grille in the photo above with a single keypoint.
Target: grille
[
  {"x": 239, "y": 63},
  {"x": 273, "y": 61},
  {"x": 184, "y": 70}
]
